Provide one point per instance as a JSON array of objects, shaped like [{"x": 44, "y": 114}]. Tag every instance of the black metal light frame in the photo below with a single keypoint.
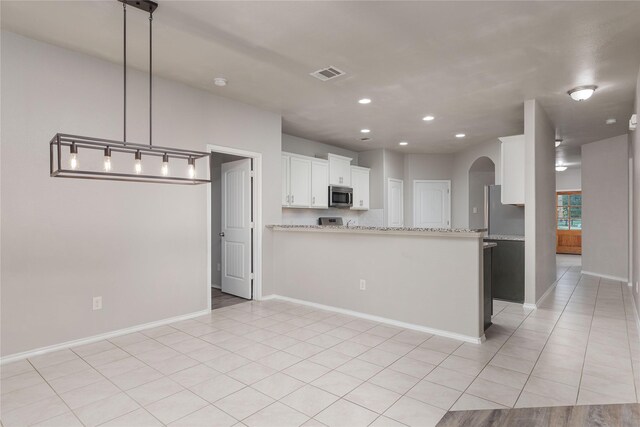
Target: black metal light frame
[
  {"x": 76, "y": 142},
  {"x": 61, "y": 140}
]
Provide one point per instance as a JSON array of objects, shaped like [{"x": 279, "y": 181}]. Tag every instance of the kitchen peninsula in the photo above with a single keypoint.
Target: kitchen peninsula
[{"x": 425, "y": 279}]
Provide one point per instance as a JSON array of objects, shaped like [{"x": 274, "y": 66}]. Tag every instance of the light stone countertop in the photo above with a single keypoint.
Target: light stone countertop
[
  {"x": 510, "y": 237},
  {"x": 359, "y": 229}
]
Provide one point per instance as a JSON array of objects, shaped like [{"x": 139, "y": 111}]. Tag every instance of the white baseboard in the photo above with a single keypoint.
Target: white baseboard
[
  {"x": 637, "y": 313},
  {"x": 385, "y": 320},
  {"x": 530, "y": 306},
  {"x": 606, "y": 276},
  {"x": 88, "y": 340}
]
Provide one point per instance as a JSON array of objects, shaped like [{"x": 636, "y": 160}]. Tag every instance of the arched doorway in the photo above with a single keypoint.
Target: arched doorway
[{"x": 481, "y": 173}]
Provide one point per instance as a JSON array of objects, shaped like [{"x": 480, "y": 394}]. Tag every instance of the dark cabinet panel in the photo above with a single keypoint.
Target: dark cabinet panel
[
  {"x": 507, "y": 270},
  {"x": 488, "y": 299}
]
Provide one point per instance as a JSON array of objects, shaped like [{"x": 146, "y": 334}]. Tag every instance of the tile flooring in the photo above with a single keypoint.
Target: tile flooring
[{"x": 275, "y": 363}]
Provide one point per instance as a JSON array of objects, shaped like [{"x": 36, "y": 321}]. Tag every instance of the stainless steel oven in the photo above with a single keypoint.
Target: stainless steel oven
[{"x": 340, "y": 197}]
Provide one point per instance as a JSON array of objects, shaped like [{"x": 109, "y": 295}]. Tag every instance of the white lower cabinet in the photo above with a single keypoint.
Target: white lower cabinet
[
  {"x": 319, "y": 184},
  {"x": 360, "y": 183},
  {"x": 305, "y": 182}
]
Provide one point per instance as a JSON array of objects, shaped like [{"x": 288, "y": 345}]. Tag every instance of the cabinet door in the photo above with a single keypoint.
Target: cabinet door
[
  {"x": 340, "y": 171},
  {"x": 285, "y": 181},
  {"x": 319, "y": 184},
  {"x": 513, "y": 165},
  {"x": 360, "y": 182},
  {"x": 300, "y": 182}
]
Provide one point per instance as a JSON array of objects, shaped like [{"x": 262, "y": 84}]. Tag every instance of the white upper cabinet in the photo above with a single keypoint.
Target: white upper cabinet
[
  {"x": 339, "y": 170},
  {"x": 319, "y": 183},
  {"x": 305, "y": 182},
  {"x": 513, "y": 164},
  {"x": 286, "y": 195},
  {"x": 360, "y": 183}
]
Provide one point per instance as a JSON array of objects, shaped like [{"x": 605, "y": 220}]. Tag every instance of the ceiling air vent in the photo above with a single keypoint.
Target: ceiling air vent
[{"x": 328, "y": 73}]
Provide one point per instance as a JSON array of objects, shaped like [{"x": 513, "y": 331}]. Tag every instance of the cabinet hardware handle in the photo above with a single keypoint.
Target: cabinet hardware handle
[{"x": 313, "y": 200}]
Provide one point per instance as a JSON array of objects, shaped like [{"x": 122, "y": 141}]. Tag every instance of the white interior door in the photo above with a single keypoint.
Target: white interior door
[
  {"x": 432, "y": 204},
  {"x": 395, "y": 203},
  {"x": 236, "y": 228}
]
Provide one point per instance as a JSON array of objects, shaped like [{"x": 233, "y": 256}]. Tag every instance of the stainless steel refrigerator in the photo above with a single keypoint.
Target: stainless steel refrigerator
[{"x": 502, "y": 219}]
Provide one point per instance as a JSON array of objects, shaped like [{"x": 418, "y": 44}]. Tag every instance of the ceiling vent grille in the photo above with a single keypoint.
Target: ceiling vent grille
[{"x": 328, "y": 73}]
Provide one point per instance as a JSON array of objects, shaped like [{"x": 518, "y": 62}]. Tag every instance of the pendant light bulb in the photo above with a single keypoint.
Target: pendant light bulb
[
  {"x": 73, "y": 158},
  {"x": 165, "y": 165},
  {"x": 107, "y": 159},
  {"x": 192, "y": 167},
  {"x": 138, "y": 163}
]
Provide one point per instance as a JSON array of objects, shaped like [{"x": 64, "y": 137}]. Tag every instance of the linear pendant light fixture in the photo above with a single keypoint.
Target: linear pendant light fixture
[{"x": 163, "y": 164}]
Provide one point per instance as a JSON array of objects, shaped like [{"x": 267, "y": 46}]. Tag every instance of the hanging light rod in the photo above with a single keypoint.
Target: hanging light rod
[{"x": 133, "y": 168}]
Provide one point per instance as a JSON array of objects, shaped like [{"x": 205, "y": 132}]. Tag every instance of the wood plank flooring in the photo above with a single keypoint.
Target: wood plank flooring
[
  {"x": 557, "y": 416},
  {"x": 219, "y": 299}
]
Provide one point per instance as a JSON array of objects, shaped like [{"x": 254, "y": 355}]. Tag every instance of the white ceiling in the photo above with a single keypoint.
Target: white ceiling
[{"x": 471, "y": 64}]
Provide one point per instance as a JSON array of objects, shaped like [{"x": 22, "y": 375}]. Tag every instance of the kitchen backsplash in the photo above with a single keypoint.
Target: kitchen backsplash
[{"x": 372, "y": 217}]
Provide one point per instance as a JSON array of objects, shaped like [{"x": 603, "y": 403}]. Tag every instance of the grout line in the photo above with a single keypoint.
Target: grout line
[{"x": 584, "y": 358}]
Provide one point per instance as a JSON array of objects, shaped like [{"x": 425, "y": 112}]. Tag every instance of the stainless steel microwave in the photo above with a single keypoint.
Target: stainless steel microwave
[{"x": 340, "y": 197}]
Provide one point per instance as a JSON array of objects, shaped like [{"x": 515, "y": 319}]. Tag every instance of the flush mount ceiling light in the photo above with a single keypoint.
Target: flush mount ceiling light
[
  {"x": 125, "y": 169},
  {"x": 428, "y": 118},
  {"x": 220, "y": 81},
  {"x": 611, "y": 121},
  {"x": 582, "y": 93},
  {"x": 364, "y": 101},
  {"x": 560, "y": 167},
  {"x": 460, "y": 135},
  {"x": 403, "y": 143},
  {"x": 558, "y": 142},
  {"x": 365, "y": 130}
]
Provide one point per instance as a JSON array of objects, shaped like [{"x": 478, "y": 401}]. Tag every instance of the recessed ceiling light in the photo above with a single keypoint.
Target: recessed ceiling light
[
  {"x": 364, "y": 101},
  {"x": 220, "y": 81},
  {"x": 403, "y": 143},
  {"x": 460, "y": 135},
  {"x": 582, "y": 93},
  {"x": 365, "y": 130},
  {"x": 428, "y": 118},
  {"x": 558, "y": 142},
  {"x": 611, "y": 121}
]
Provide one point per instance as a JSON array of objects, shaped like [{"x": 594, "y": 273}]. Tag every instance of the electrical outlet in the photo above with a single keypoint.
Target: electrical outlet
[
  {"x": 218, "y": 266},
  {"x": 363, "y": 285},
  {"x": 97, "y": 303}
]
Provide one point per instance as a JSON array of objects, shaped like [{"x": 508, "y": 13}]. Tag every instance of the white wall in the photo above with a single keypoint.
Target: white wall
[
  {"x": 462, "y": 161},
  {"x": 423, "y": 166},
  {"x": 307, "y": 147},
  {"x": 569, "y": 180},
  {"x": 605, "y": 207},
  {"x": 635, "y": 233},
  {"x": 540, "y": 203},
  {"x": 142, "y": 247}
]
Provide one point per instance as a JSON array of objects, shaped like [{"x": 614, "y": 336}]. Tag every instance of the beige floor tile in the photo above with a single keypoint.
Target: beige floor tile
[
  {"x": 415, "y": 368},
  {"x": 441, "y": 344},
  {"x": 90, "y": 393},
  {"x": 276, "y": 415},
  {"x": 157, "y": 355},
  {"x": 138, "y": 418},
  {"x": 194, "y": 375},
  {"x": 189, "y": 345},
  {"x": 67, "y": 419},
  {"x": 209, "y": 416},
  {"x": 345, "y": 413},
  {"x": 278, "y": 385},
  {"x": 373, "y": 397},
  {"x": 244, "y": 403},
  {"x": 251, "y": 373},
  {"x": 415, "y": 413},
  {"x": 279, "y": 360},
  {"x": 350, "y": 348},
  {"x": 512, "y": 363},
  {"x": 469, "y": 402},
  {"x": 106, "y": 409},
  {"x": 207, "y": 353},
  {"x": 434, "y": 394},
  {"x": 498, "y": 393},
  {"x": 589, "y": 397},
  {"x": 309, "y": 400},
  {"x": 154, "y": 391},
  {"x": 217, "y": 388},
  {"x": 411, "y": 337},
  {"x": 176, "y": 406},
  {"x": 448, "y": 378},
  {"x": 504, "y": 376},
  {"x": 227, "y": 363},
  {"x": 25, "y": 396},
  {"x": 120, "y": 367},
  {"x": 174, "y": 364},
  {"x": 337, "y": 383},
  {"x": 93, "y": 348},
  {"x": 556, "y": 391},
  {"x": 53, "y": 358},
  {"x": 158, "y": 331},
  {"x": 379, "y": 357},
  {"x": 15, "y": 368},
  {"x": 427, "y": 355},
  {"x": 359, "y": 369},
  {"x": 102, "y": 358},
  {"x": 394, "y": 380},
  {"x": 136, "y": 378},
  {"x": 306, "y": 371},
  {"x": 62, "y": 369},
  {"x": 124, "y": 340},
  {"x": 383, "y": 421},
  {"x": 304, "y": 350},
  {"x": 465, "y": 366},
  {"x": 143, "y": 346},
  {"x": 532, "y": 400}
]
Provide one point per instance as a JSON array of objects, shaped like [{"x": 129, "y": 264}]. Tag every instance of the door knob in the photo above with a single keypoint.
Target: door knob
[{"x": 221, "y": 234}]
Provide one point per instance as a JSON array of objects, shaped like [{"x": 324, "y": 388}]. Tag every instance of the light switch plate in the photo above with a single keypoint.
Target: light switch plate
[{"x": 97, "y": 303}]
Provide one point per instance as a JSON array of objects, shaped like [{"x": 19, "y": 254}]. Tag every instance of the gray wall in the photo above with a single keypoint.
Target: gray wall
[
  {"x": 540, "y": 203},
  {"x": 605, "y": 207},
  {"x": 142, "y": 247},
  {"x": 393, "y": 168},
  {"x": 306, "y": 147},
  {"x": 423, "y": 166},
  {"x": 635, "y": 234},
  {"x": 568, "y": 180}
]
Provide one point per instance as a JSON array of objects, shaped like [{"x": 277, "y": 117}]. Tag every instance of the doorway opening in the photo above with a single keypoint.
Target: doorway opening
[
  {"x": 234, "y": 238},
  {"x": 569, "y": 222},
  {"x": 482, "y": 174}
]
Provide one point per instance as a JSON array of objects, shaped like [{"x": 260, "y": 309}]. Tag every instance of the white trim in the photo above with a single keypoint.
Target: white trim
[
  {"x": 389, "y": 182},
  {"x": 447, "y": 181},
  {"x": 635, "y": 309},
  {"x": 606, "y": 276},
  {"x": 385, "y": 320},
  {"x": 99, "y": 337},
  {"x": 257, "y": 218},
  {"x": 529, "y": 306}
]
